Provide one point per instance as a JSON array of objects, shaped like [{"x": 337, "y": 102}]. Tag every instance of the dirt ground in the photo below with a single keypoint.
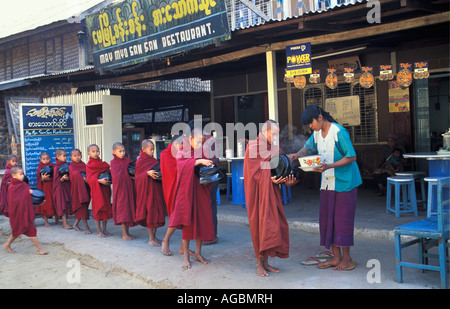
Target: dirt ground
[{"x": 57, "y": 269}]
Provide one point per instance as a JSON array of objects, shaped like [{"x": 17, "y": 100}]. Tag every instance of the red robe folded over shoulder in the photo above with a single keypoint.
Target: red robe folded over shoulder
[
  {"x": 4, "y": 190},
  {"x": 124, "y": 192},
  {"x": 48, "y": 207},
  {"x": 81, "y": 195},
  {"x": 192, "y": 204},
  {"x": 150, "y": 202},
  {"x": 268, "y": 225},
  {"x": 168, "y": 165},
  {"x": 100, "y": 194},
  {"x": 61, "y": 192},
  {"x": 21, "y": 209}
]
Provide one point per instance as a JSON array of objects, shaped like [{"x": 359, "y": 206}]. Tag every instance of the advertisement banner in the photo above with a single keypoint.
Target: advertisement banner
[
  {"x": 135, "y": 31},
  {"x": 298, "y": 59},
  {"x": 45, "y": 128}
]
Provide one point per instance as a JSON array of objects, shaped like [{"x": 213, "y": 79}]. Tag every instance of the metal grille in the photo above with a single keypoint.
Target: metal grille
[{"x": 367, "y": 131}]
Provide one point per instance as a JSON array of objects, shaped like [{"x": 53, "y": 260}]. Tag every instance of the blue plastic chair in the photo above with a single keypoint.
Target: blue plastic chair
[{"x": 429, "y": 232}]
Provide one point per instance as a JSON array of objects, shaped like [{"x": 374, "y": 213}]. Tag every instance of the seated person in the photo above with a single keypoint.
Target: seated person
[{"x": 393, "y": 164}]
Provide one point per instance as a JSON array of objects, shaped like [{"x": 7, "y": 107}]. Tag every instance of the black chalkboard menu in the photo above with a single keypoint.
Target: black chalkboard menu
[{"x": 45, "y": 128}]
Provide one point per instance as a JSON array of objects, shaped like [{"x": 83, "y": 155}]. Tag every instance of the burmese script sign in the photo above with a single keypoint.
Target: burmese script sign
[
  {"x": 45, "y": 128},
  {"x": 134, "y": 31}
]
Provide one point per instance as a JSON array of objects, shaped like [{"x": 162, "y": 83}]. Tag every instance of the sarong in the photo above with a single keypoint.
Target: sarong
[{"x": 337, "y": 218}]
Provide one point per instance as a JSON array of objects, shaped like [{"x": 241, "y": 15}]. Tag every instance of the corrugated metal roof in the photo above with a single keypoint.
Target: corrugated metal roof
[
  {"x": 243, "y": 14},
  {"x": 22, "y": 15}
]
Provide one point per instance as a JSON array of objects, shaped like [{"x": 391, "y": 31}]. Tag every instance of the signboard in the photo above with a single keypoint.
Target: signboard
[
  {"x": 45, "y": 128},
  {"x": 398, "y": 98},
  {"x": 134, "y": 31},
  {"x": 298, "y": 59},
  {"x": 345, "y": 110}
]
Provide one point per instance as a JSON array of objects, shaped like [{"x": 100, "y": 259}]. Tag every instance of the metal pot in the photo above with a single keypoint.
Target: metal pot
[{"x": 37, "y": 196}]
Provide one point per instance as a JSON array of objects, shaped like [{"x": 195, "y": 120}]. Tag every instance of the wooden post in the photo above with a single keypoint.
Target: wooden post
[{"x": 272, "y": 85}]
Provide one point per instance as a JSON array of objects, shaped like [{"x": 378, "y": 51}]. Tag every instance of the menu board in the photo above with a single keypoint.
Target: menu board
[
  {"x": 345, "y": 110},
  {"x": 45, "y": 128}
]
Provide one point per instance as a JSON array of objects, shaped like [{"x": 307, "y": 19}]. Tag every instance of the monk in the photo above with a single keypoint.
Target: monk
[
  {"x": 169, "y": 176},
  {"x": 150, "y": 202},
  {"x": 11, "y": 161},
  {"x": 81, "y": 195},
  {"x": 192, "y": 204},
  {"x": 268, "y": 225},
  {"x": 45, "y": 183},
  {"x": 21, "y": 211},
  {"x": 61, "y": 189},
  {"x": 100, "y": 190},
  {"x": 124, "y": 191}
]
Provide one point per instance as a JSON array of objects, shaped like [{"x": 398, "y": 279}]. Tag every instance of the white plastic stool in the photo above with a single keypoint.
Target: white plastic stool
[{"x": 420, "y": 176}]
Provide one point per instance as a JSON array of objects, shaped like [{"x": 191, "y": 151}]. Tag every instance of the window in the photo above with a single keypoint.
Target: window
[{"x": 367, "y": 131}]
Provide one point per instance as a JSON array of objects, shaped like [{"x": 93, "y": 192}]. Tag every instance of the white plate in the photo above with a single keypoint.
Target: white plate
[{"x": 308, "y": 168}]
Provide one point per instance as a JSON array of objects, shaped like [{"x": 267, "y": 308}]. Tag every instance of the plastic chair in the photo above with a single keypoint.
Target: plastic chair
[
  {"x": 429, "y": 232},
  {"x": 420, "y": 176},
  {"x": 406, "y": 186}
]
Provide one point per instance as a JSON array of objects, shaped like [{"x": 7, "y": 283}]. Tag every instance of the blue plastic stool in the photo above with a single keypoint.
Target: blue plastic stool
[
  {"x": 432, "y": 198},
  {"x": 229, "y": 196},
  {"x": 420, "y": 176},
  {"x": 287, "y": 198},
  {"x": 406, "y": 186},
  {"x": 218, "y": 196}
]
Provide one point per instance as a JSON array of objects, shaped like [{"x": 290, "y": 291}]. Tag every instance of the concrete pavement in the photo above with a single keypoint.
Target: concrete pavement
[{"x": 232, "y": 262}]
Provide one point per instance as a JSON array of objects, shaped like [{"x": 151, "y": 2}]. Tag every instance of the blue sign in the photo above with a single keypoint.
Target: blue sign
[
  {"x": 45, "y": 128},
  {"x": 298, "y": 59}
]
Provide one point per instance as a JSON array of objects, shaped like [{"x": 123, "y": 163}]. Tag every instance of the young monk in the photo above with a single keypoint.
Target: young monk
[
  {"x": 61, "y": 189},
  {"x": 100, "y": 190},
  {"x": 45, "y": 183},
  {"x": 149, "y": 193},
  {"x": 192, "y": 205},
  {"x": 11, "y": 161},
  {"x": 268, "y": 225},
  {"x": 81, "y": 195},
  {"x": 124, "y": 191},
  {"x": 169, "y": 176},
  {"x": 21, "y": 211}
]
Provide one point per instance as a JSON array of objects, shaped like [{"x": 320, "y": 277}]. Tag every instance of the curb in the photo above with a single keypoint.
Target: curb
[{"x": 310, "y": 227}]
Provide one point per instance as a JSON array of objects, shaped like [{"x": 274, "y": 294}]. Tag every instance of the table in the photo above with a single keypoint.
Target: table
[
  {"x": 438, "y": 163},
  {"x": 237, "y": 180},
  {"x": 438, "y": 166}
]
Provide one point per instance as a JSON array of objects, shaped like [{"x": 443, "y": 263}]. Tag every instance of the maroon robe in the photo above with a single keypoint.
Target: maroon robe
[
  {"x": 169, "y": 176},
  {"x": 100, "y": 194},
  {"x": 61, "y": 192},
  {"x": 124, "y": 192},
  {"x": 48, "y": 207},
  {"x": 21, "y": 209},
  {"x": 268, "y": 225},
  {"x": 4, "y": 190},
  {"x": 192, "y": 205},
  {"x": 150, "y": 202},
  {"x": 81, "y": 195}
]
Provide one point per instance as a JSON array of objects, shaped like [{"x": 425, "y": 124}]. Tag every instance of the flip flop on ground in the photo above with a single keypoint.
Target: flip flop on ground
[
  {"x": 325, "y": 254},
  {"x": 312, "y": 261}
]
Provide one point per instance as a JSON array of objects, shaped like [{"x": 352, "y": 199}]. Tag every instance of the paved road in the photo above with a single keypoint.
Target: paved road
[{"x": 115, "y": 263}]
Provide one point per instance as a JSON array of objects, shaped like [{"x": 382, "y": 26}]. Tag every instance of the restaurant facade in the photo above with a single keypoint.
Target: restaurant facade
[{"x": 228, "y": 62}]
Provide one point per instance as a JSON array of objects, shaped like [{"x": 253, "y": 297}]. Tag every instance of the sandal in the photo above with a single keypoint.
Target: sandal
[
  {"x": 312, "y": 261},
  {"x": 325, "y": 254}
]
